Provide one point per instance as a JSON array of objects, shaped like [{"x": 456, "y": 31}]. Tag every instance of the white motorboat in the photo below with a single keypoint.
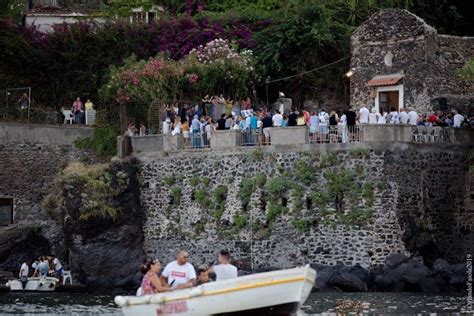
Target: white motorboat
[
  {"x": 46, "y": 284},
  {"x": 271, "y": 293}
]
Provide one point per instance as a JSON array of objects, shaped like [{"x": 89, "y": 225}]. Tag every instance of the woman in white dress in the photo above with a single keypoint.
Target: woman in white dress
[
  {"x": 342, "y": 128},
  {"x": 382, "y": 117}
]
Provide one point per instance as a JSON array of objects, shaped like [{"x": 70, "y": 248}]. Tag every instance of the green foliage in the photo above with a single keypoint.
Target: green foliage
[
  {"x": 329, "y": 160},
  {"x": 359, "y": 217},
  {"x": 260, "y": 179},
  {"x": 304, "y": 172},
  {"x": 339, "y": 185},
  {"x": 103, "y": 142},
  {"x": 297, "y": 194},
  {"x": 274, "y": 210},
  {"x": 194, "y": 181},
  {"x": 240, "y": 221},
  {"x": 279, "y": 186},
  {"x": 245, "y": 190},
  {"x": 206, "y": 181},
  {"x": 198, "y": 228},
  {"x": 319, "y": 199},
  {"x": 169, "y": 180},
  {"x": 302, "y": 225},
  {"x": 220, "y": 195},
  {"x": 257, "y": 154},
  {"x": 467, "y": 71},
  {"x": 358, "y": 153},
  {"x": 95, "y": 186},
  {"x": 381, "y": 186},
  {"x": 368, "y": 193},
  {"x": 176, "y": 194},
  {"x": 202, "y": 198}
]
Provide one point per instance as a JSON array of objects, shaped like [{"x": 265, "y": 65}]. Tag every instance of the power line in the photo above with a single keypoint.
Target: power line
[{"x": 312, "y": 70}]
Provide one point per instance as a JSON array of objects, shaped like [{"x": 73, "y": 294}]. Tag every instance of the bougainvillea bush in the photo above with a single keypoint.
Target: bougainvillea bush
[
  {"x": 74, "y": 60},
  {"x": 214, "y": 68}
]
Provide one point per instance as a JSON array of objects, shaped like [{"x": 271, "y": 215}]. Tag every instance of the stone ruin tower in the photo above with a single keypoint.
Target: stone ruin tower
[{"x": 400, "y": 61}]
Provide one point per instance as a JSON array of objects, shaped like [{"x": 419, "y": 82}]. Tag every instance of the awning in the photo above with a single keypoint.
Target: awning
[{"x": 388, "y": 80}]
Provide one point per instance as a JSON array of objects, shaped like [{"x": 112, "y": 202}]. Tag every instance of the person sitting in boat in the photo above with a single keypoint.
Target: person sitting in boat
[
  {"x": 179, "y": 274},
  {"x": 224, "y": 270},
  {"x": 151, "y": 283},
  {"x": 58, "y": 267},
  {"x": 24, "y": 273},
  {"x": 34, "y": 266},
  {"x": 43, "y": 267},
  {"x": 202, "y": 276}
]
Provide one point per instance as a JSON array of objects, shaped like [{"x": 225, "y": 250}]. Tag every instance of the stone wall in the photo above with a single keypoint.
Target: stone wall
[
  {"x": 429, "y": 62},
  {"x": 48, "y": 134},
  {"x": 27, "y": 172},
  {"x": 201, "y": 201}
]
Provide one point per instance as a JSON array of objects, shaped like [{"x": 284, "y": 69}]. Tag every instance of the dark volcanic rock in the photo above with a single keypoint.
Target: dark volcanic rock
[
  {"x": 348, "y": 282},
  {"x": 394, "y": 260},
  {"x": 18, "y": 244},
  {"x": 105, "y": 254}
]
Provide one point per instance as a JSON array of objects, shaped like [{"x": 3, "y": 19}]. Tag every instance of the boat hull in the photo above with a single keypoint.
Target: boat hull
[
  {"x": 34, "y": 284},
  {"x": 271, "y": 293}
]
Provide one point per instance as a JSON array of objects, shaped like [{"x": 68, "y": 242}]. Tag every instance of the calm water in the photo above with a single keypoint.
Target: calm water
[{"x": 317, "y": 304}]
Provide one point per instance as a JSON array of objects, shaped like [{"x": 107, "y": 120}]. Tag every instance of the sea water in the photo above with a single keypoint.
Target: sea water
[{"x": 317, "y": 304}]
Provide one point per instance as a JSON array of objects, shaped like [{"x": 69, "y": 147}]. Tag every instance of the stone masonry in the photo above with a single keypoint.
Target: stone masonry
[
  {"x": 417, "y": 191},
  {"x": 429, "y": 62}
]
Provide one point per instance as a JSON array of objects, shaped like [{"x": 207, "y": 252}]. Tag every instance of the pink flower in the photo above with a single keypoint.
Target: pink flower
[{"x": 192, "y": 78}]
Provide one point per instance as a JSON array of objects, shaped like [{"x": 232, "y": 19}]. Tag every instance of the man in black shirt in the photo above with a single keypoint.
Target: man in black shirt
[
  {"x": 292, "y": 118},
  {"x": 351, "y": 117},
  {"x": 351, "y": 123},
  {"x": 221, "y": 123}
]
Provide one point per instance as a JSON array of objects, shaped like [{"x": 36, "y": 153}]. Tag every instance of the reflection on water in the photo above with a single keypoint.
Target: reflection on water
[{"x": 317, "y": 304}]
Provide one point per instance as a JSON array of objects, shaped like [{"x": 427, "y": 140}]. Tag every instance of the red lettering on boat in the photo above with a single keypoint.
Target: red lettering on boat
[{"x": 176, "y": 307}]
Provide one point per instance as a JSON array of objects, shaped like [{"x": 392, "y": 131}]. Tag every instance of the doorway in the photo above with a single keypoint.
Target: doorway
[
  {"x": 387, "y": 100},
  {"x": 6, "y": 211},
  {"x": 387, "y": 97}
]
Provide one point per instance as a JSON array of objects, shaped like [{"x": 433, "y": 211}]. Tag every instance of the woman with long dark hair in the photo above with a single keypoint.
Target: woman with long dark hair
[{"x": 151, "y": 283}]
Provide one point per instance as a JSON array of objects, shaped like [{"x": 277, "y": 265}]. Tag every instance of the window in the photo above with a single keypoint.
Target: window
[{"x": 6, "y": 211}]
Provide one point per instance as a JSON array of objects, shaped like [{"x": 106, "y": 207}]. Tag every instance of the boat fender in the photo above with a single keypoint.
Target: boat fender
[
  {"x": 7, "y": 284},
  {"x": 158, "y": 299},
  {"x": 120, "y": 301},
  {"x": 198, "y": 291}
]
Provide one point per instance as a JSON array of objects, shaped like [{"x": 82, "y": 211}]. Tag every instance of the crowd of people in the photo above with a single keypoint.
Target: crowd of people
[
  {"x": 180, "y": 274},
  {"x": 197, "y": 122},
  {"x": 42, "y": 267}
]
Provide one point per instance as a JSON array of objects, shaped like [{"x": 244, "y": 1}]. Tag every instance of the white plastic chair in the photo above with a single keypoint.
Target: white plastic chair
[
  {"x": 429, "y": 138},
  {"x": 437, "y": 134},
  {"x": 68, "y": 117},
  {"x": 418, "y": 134},
  {"x": 67, "y": 275}
]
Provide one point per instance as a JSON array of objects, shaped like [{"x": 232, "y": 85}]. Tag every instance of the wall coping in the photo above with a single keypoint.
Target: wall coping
[{"x": 58, "y": 126}]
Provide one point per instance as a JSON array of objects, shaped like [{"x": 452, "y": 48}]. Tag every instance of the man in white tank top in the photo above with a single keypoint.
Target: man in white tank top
[{"x": 224, "y": 270}]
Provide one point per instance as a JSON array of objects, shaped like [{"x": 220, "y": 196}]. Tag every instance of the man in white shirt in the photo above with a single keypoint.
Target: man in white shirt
[
  {"x": 412, "y": 117},
  {"x": 403, "y": 116},
  {"x": 179, "y": 274},
  {"x": 24, "y": 272},
  {"x": 394, "y": 118},
  {"x": 457, "y": 120},
  {"x": 224, "y": 270},
  {"x": 364, "y": 115},
  {"x": 58, "y": 267},
  {"x": 277, "y": 119}
]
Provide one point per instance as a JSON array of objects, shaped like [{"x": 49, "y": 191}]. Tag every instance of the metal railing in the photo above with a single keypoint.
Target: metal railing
[
  {"x": 197, "y": 140},
  {"x": 336, "y": 134},
  {"x": 254, "y": 137}
]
